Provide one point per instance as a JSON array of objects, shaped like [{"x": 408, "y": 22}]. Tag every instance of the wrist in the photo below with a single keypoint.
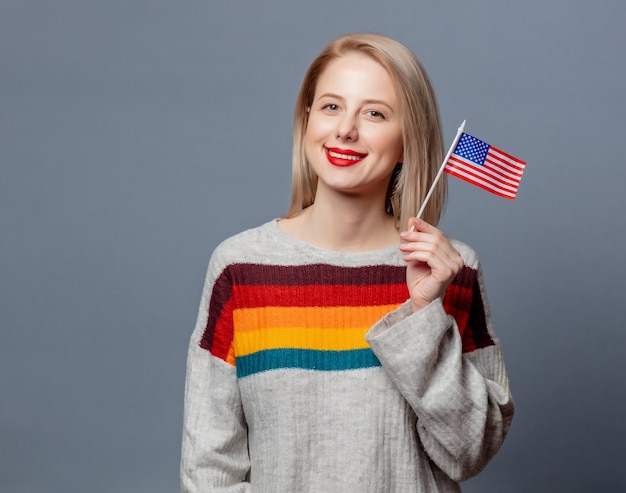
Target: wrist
[{"x": 417, "y": 305}]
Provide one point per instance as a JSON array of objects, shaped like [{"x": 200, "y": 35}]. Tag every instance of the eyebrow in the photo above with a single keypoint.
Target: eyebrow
[{"x": 367, "y": 101}]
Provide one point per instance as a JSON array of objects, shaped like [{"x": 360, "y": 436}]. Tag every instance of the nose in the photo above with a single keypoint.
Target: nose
[{"x": 347, "y": 128}]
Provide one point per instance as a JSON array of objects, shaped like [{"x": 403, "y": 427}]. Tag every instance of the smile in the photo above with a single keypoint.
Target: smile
[{"x": 343, "y": 157}]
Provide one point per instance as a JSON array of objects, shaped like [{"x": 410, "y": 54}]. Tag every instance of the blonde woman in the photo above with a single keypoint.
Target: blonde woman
[{"x": 347, "y": 347}]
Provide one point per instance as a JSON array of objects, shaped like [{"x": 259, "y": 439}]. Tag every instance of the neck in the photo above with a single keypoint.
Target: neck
[{"x": 345, "y": 223}]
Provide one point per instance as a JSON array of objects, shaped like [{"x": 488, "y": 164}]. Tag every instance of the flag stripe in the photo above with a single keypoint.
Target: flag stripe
[
  {"x": 471, "y": 176},
  {"x": 479, "y": 180},
  {"x": 505, "y": 156},
  {"x": 485, "y": 172},
  {"x": 503, "y": 168},
  {"x": 483, "y": 185}
]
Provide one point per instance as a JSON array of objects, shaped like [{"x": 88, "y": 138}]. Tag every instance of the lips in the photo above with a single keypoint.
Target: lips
[{"x": 343, "y": 157}]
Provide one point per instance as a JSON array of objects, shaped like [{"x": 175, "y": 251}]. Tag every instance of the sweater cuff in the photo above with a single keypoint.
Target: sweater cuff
[{"x": 429, "y": 322}]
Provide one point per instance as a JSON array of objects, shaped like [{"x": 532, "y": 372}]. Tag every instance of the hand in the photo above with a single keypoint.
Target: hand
[{"x": 432, "y": 262}]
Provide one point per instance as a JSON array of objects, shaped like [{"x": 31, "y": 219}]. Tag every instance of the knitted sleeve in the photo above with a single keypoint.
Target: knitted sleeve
[
  {"x": 214, "y": 448},
  {"x": 448, "y": 365}
]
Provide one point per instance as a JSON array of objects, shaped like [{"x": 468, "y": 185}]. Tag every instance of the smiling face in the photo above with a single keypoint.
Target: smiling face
[{"x": 353, "y": 138}]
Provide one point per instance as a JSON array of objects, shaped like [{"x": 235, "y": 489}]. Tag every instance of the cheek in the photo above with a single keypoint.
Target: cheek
[
  {"x": 309, "y": 138},
  {"x": 396, "y": 144},
  {"x": 312, "y": 140},
  {"x": 388, "y": 143},
  {"x": 317, "y": 128}
]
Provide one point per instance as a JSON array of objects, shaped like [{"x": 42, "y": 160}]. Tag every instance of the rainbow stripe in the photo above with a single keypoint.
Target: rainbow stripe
[{"x": 314, "y": 317}]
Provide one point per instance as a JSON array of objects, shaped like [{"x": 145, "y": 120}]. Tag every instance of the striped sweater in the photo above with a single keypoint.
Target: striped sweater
[{"x": 309, "y": 372}]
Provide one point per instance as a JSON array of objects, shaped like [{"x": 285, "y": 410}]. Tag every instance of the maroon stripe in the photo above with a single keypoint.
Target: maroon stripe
[
  {"x": 477, "y": 322},
  {"x": 314, "y": 274}
]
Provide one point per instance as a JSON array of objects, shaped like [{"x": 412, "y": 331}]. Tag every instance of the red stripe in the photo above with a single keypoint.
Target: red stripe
[
  {"x": 457, "y": 302},
  {"x": 219, "y": 332},
  {"x": 317, "y": 295}
]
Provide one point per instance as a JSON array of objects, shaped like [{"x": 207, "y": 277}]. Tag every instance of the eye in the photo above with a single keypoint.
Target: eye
[
  {"x": 377, "y": 115},
  {"x": 330, "y": 107}
]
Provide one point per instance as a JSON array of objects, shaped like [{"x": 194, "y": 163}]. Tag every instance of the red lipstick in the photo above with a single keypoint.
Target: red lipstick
[{"x": 343, "y": 157}]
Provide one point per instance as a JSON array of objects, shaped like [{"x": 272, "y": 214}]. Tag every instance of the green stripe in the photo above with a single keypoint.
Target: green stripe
[{"x": 306, "y": 359}]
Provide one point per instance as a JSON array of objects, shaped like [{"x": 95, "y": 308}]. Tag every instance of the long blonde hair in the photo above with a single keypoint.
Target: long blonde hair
[{"x": 421, "y": 130}]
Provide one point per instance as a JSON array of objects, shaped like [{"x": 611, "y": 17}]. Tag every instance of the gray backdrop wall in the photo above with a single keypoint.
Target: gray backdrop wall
[{"x": 136, "y": 135}]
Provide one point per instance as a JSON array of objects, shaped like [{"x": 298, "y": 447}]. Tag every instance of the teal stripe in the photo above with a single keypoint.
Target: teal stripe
[{"x": 306, "y": 359}]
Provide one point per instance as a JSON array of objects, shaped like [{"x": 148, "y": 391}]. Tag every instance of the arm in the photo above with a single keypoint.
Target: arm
[
  {"x": 449, "y": 369},
  {"x": 214, "y": 446}
]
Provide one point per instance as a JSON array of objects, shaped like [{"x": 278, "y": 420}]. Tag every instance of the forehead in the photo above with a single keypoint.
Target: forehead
[{"x": 356, "y": 73}]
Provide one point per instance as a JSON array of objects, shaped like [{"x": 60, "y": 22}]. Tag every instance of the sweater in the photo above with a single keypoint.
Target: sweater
[{"x": 308, "y": 371}]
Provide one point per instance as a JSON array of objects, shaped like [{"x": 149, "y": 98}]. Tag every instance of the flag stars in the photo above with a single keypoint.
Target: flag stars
[{"x": 472, "y": 148}]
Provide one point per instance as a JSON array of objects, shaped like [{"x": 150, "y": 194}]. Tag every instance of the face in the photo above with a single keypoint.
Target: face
[{"x": 353, "y": 139}]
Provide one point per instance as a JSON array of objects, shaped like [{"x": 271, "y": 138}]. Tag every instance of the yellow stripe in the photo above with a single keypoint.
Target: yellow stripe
[
  {"x": 318, "y": 328},
  {"x": 251, "y": 341},
  {"x": 322, "y": 317}
]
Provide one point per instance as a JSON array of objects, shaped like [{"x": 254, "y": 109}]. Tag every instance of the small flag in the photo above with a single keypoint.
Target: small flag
[{"x": 485, "y": 166}]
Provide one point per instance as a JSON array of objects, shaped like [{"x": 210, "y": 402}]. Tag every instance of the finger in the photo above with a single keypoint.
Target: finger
[
  {"x": 435, "y": 260},
  {"x": 435, "y": 242},
  {"x": 417, "y": 224},
  {"x": 423, "y": 236},
  {"x": 420, "y": 230},
  {"x": 442, "y": 270},
  {"x": 438, "y": 255}
]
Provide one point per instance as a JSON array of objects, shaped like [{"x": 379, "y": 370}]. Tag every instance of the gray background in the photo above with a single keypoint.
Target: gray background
[{"x": 136, "y": 135}]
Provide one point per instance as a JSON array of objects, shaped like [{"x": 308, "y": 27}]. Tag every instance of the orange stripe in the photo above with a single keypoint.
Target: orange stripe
[{"x": 309, "y": 317}]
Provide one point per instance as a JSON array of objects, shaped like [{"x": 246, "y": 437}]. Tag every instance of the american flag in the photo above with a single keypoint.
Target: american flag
[{"x": 485, "y": 166}]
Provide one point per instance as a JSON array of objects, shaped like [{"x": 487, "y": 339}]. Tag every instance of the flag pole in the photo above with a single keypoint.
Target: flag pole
[{"x": 443, "y": 165}]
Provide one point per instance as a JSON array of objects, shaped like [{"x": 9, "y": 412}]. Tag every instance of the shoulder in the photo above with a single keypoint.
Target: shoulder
[{"x": 249, "y": 246}]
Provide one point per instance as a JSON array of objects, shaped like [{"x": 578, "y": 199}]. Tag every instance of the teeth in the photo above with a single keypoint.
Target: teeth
[{"x": 344, "y": 156}]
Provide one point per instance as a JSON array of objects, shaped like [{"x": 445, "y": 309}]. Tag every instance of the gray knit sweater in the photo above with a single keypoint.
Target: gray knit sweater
[{"x": 309, "y": 372}]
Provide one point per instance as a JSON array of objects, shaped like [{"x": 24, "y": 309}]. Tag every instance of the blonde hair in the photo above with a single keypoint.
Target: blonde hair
[{"x": 421, "y": 130}]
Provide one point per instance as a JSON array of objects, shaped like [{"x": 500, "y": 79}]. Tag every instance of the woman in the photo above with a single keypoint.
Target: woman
[{"x": 332, "y": 352}]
